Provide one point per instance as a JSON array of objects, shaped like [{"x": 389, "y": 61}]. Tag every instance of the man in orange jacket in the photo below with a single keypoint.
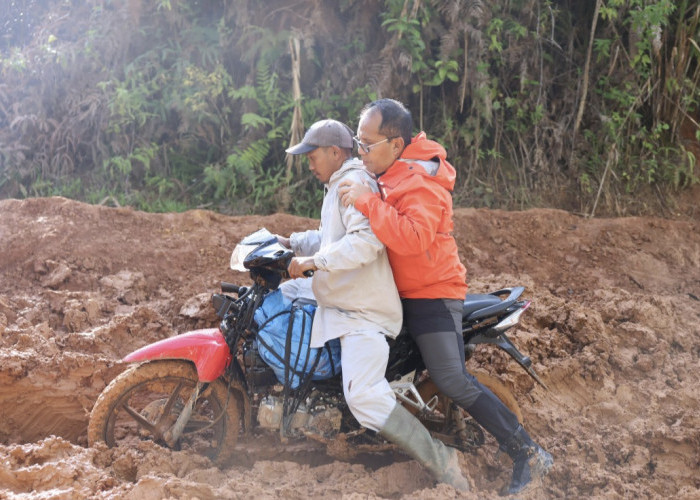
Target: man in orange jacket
[{"x": 412, "y": 216}]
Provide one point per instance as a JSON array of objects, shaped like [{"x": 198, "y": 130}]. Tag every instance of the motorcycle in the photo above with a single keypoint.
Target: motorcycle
[{"x": 203, "y": 389}]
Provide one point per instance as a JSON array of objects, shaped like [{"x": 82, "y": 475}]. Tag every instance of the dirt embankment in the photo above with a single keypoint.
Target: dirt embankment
[{"x": 613, "y": 330}]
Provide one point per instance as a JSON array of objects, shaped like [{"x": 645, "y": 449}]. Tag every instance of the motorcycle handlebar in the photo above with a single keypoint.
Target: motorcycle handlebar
[{"x": 229, "y": 287}]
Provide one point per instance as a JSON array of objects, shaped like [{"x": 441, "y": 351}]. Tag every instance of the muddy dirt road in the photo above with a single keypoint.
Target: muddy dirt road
[{"x": 614, "y": 330}]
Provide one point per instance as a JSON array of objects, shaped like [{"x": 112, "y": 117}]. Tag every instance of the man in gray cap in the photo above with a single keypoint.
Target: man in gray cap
[
  {"x": 357, "y": 298},
  {"x": 324, "y": 133}
]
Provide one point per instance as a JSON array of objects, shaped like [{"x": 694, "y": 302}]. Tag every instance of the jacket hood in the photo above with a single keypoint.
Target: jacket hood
[
  {"x": 423, "y": 150},
  {"x": 347, "y": 166}
]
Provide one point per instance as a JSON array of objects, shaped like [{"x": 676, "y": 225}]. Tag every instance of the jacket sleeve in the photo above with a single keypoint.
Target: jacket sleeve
[
  {"x": 358, "y": 247},
  {"x": 409, "y": 226},
  {"x": 306, "y": 242}
]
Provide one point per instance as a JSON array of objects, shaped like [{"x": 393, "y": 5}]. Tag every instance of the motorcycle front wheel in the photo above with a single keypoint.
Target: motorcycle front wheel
[{"x": 144, "y": 402}]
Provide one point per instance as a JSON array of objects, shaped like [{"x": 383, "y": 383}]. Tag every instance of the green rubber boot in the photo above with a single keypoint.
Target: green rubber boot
[{"x": 406, "y": 431}]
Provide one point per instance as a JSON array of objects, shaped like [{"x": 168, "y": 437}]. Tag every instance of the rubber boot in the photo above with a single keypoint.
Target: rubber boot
[
  {"x": 530, "y": 460},
  {"x": 406, "y": 431}
]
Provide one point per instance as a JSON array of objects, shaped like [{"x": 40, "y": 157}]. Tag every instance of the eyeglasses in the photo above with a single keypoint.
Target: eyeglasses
[{"x": 368, "y": 147}]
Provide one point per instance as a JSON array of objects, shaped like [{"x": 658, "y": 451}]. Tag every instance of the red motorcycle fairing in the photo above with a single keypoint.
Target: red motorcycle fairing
[{"x": 206, "y": 348}]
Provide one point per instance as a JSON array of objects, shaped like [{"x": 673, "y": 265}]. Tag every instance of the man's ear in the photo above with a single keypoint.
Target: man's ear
[{"x": 398, "y": 146}]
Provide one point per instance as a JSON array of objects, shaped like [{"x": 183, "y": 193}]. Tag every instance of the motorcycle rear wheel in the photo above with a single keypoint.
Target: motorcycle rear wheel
[
  {"x": 501, "y": 391},
  {"x": 473, "y": 436},
  {"x": 144, "y": 402}
]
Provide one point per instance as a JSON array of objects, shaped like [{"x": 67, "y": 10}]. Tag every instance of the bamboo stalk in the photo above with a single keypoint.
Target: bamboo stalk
[
  {"x": 612, "y": 157},
  {"x": 586, "y": 69},
  {"x": 297, "y": 128}
]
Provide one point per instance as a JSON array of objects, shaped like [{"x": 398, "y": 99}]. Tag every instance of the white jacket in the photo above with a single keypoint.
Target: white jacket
[{"x": 354, "y": 286}]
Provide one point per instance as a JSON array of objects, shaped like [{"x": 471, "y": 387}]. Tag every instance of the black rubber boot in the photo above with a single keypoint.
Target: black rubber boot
[{"x": 530, "y": 460}]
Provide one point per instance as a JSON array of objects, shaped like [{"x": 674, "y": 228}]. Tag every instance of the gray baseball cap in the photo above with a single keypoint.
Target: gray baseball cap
[{"x": 321, "y": 134}]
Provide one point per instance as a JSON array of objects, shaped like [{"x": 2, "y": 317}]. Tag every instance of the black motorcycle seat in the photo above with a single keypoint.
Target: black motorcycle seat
[{"x": 474, "y": 302}]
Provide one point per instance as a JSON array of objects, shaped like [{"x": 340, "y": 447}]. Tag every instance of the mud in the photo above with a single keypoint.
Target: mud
[{"x": 613, "y": 330}]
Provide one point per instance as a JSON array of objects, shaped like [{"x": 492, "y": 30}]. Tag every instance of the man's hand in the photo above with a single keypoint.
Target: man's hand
[
  {"x": 350, "y": 191},
  {"x": 299, "y": 265}
]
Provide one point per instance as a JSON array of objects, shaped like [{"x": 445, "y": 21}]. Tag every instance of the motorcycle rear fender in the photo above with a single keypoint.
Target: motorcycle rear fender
[{"x": 206, "y": 348}]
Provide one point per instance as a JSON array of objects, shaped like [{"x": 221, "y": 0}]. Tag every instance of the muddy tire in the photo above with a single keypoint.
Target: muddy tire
[
  {"x": 440, "y": 422},
  {"x": 502, "y": 392},
  {"x": 428, "y": 389},
  {"x": 144, "y": 402}
]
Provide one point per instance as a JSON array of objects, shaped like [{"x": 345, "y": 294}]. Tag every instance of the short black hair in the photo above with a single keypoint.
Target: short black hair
[{"x": 396, "y": 119}]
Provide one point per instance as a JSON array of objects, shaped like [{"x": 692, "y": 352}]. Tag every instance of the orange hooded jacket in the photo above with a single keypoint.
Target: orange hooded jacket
[{"x": 412, "y": 216}]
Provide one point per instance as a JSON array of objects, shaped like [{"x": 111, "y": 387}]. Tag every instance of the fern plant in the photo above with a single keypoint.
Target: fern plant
[{"x": 253, "y": 172}]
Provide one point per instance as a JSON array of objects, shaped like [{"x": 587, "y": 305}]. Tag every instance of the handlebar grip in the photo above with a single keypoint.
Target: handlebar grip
[{"x": 229, "y": 287}]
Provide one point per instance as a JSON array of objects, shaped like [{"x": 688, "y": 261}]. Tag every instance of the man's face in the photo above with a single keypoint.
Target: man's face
[
  {"x": 383, "y": 154},
  {"x": 323, "y": 162}
]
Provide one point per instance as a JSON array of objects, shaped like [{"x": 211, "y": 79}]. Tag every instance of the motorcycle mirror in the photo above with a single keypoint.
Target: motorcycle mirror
[{"x": 258, "y": 237}]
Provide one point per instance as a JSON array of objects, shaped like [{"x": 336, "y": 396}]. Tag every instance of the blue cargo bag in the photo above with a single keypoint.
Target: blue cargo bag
[{"x": 284, "y": 334}]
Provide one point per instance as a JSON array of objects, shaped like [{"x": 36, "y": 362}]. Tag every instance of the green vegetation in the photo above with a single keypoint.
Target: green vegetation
[{"x": 171, "y": 105}]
